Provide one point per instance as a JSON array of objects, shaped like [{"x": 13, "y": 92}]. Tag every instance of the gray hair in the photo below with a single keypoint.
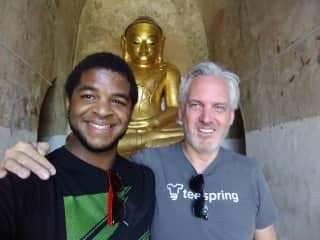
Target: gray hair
[{"x": 211, "y": 69}]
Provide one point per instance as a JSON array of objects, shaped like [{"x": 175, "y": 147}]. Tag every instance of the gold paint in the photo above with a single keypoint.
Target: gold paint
[{"x": 142, "y": 46}]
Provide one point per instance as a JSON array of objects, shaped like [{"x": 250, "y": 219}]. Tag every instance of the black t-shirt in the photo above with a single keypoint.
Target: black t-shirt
[{"x": 73, "y": 204}]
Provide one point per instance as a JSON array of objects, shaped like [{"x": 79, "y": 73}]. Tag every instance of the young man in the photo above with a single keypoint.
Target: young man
[
  {"x": 96, "y": 194},
  {"x": 203, "y": 191}
]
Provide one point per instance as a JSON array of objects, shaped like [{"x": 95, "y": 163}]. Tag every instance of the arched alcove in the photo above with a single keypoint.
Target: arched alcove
[
  {"x": 181, "y": 22},
  {"x": 236, "y": 136},
  {"x": 187, "y": 40},
  {"x": 47, "y": 119},
  {"x": 44, "y": 117}
]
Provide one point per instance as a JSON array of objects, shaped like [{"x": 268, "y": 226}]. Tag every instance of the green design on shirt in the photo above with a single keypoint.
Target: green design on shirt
[
  {"x": 145, "y": 236},
  {"x": 86, "y": 218}
]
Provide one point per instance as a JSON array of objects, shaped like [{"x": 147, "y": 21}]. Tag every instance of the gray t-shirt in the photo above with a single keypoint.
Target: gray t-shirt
[{"x": 236, "y": 193}]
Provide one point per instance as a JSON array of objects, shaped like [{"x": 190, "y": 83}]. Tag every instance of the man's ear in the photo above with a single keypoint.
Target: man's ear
[
  {"x": 180, "y": 116},
  {"x": 232, "y": 114},
  {"x": 67, "y": 105}
]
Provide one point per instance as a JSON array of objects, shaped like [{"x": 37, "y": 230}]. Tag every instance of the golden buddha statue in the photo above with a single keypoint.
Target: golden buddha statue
[{"x": 154, "y": 117}]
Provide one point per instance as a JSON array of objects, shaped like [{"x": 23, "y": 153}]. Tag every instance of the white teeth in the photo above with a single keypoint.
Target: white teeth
[
  {"x": 206, "y": 130},
  {"x": 100, "y": 127}
]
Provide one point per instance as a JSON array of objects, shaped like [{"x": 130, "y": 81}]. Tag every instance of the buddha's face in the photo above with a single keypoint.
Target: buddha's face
[{"x": 143, "y": 43}]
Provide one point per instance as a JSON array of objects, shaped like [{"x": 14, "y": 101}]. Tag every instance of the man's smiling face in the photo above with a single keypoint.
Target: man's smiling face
[
  {"x": 207, "y": 114},
  {"x": 99, "y": 109}
]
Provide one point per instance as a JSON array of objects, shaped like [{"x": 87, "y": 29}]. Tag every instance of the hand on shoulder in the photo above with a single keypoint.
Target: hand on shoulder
[{"x": 24, "y": 158}]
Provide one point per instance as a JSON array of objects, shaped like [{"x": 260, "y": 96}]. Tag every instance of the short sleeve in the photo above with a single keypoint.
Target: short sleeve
[{"x": 266, "y": 213}]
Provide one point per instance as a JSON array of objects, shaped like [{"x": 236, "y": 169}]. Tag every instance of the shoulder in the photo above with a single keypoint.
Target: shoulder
[
  {"x": 25, "y": 190},
  {"x": 57, "y": 154},
  {"x": 152, "y": 156},
  {"x": 135, "y": 171},
  {"x": 59, "y": 157},
  {"x": 171, "y": 70},
  {"x": 243, "y": 167},
  {"x": 159, "y": 150},
  {"x": 238, "y": 160},
  {"x": 15, "y": 182},
  {"x": 171, "y": 67}
]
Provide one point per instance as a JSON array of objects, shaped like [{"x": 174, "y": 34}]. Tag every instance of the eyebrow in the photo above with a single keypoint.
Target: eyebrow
[
  {"x": 200, "y": 102},
  {"x": 121, "y": 95},
  {"x": 194, "y": 101},
  {"x": 85, "y": 88},
  {"x": 90, "y": 88}
]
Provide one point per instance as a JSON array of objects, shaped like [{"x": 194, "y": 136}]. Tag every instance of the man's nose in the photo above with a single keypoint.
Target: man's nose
[
  {"x": 206, "y": 115},
  {"x": 103, "y": 108}
]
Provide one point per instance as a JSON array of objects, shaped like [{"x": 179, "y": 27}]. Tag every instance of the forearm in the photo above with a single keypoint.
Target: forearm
[{"x": 268, "y": 233}]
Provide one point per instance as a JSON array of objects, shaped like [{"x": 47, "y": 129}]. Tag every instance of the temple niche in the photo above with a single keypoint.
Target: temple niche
[{"x": 177, "y": 47}]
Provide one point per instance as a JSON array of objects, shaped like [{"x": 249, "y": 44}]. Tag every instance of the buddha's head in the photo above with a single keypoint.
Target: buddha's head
[{"x": 142, "y": 42}]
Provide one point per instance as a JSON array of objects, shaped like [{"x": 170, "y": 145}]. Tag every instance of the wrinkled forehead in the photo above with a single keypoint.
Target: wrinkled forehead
[
  {"x": 141, "y": 29},
  {"x": 209, "y": 88}
]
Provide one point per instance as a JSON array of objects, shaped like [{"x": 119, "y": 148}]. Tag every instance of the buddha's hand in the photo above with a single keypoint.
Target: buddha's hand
[{"x": 144, "y": 124}]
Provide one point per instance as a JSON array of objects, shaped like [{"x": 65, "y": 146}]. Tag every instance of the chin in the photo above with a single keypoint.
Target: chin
[
  {"x": 205, "y": 147},
  {"x": 101, "y": 148}
]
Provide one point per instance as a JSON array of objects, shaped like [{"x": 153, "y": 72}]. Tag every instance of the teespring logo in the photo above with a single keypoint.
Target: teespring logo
[
  {"x": 177, "y": 190},
  {"x": 174, "y": 190}
]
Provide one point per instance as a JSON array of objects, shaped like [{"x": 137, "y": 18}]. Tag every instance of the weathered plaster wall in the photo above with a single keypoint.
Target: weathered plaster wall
[
  {"x": 274, "y": 46},
  {"x": 26, "y": 66},
  {"x": 289, "y": 155},
  {"x": 35, "y": 49},
  {"x": 276, "y": 55}
]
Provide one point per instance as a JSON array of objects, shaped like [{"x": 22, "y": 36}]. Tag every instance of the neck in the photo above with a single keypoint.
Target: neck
[
  {"x": 200, "y": 160},
  {"x": 103, "y": 160}
]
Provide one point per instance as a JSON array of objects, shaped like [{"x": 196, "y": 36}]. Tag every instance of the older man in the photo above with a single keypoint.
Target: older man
[{"x": 203, "y": 191}]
